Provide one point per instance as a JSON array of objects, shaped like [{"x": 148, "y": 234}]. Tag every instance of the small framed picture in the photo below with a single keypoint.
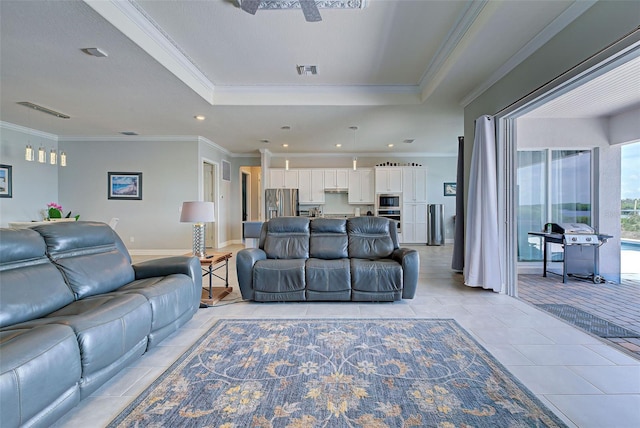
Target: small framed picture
[
  {"x": 124, "y": 185},
  {"x": 450, "y": 189},
  {"x": 6, "y": 181}
]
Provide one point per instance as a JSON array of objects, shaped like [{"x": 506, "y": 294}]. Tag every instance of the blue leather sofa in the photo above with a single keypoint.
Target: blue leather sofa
[
  {"x": 74, "y": 311},
  {"x": 356, "y": 259}
]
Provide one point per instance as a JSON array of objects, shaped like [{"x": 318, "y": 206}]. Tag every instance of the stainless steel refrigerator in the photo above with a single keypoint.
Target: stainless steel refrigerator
[{"x": 280, "y": 203}]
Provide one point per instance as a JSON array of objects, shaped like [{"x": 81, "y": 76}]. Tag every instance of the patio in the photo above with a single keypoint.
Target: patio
[{"x": 617, "y": 304}]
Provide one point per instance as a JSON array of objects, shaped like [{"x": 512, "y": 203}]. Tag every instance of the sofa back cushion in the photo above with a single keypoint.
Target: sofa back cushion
[
  {"x": 30, "y": 285},
  {"x": 90, "y": 256},
  {"x": 370, "y": 237},
  {"x": 328, "y": 239},
  {"x": 286, "y": 238}
]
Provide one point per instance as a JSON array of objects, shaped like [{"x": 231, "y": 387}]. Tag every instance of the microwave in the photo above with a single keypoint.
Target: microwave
[{"x": 389, "y": 201}]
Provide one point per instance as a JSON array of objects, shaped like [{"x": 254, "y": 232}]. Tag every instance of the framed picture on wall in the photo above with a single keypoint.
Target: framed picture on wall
[
  {"x": 124, "y": 185},
  {"x": 450, "y": 189},
  {"x": 6, "y": 181}
]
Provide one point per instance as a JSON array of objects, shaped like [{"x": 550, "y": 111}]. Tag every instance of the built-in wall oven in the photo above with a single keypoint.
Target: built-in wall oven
[{"x": 389, "y": 206}]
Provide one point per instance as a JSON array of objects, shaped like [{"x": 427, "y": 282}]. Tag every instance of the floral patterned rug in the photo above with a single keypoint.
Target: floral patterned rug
[{"x": 337, "y": 373}]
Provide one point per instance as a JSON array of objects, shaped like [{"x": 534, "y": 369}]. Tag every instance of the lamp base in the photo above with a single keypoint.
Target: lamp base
[{"x": 199, "y": 238}]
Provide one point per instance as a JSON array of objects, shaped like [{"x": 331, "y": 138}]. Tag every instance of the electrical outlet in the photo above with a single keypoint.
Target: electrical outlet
[{"x": 131, "y": 239}]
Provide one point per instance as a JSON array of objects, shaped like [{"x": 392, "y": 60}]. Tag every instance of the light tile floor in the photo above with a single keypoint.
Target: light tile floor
[{"x": 583, "y": 380}]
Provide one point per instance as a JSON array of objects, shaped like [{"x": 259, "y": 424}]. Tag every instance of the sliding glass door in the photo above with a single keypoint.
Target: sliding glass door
[{"x": 553, "y": 186}]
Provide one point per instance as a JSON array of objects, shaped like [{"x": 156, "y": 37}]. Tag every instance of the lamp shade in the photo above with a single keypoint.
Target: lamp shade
[{"x": 197, "y": 212}]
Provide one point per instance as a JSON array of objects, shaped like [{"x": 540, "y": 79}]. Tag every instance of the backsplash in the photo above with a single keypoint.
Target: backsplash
[{"x": 338, "y": 203}]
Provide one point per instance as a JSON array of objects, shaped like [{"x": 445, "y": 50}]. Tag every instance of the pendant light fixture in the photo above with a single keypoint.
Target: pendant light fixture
[
  {"x": 53, "y": 157},
  {"x": 355, "y": 158},
  {"x": 286, "y": 159},
  {"x": 28, "y": 153},
  {"x": 63, "y": 159},
  {"x": 42, "y": 155}
]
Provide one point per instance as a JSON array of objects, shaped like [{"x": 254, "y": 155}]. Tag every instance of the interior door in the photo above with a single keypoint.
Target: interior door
[{"x": 208, "y": 190}]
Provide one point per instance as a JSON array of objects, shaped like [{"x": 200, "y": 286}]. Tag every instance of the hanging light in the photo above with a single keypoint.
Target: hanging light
[
  {"x": 63, "y": 159},
  {"x": 42, "y": 155},
  {"x": 286, "y": 160},
  {"x": 355, "y": 158},
  {"x": 53, "y": 157},
  {"x": 28, "y": 153}
]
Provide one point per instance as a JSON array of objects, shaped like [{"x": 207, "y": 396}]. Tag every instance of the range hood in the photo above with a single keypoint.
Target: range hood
[{"x": 336, "y": 190}]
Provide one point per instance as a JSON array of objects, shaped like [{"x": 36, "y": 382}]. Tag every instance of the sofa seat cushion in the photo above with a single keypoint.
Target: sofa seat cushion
[
  {"x": 170, "y": 297},
  {"x": 382, "y": 277},
  {"x": 107, "y": 329},
  {"x": 279, "y": 276},
  {"x": 328, "y": 280},
  {"x": 39, "y": 374}
]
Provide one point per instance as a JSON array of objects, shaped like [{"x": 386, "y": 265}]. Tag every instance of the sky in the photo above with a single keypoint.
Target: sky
[{"x": 630, "y": 171}]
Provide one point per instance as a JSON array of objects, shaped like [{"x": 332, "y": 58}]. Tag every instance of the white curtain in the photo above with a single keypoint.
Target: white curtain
[{"x": 482, "y": 249}]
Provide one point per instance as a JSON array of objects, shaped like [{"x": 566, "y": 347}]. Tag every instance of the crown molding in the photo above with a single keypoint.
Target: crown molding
[
  {"x": 29, "y": 131},
  {"x": 570, "y": 14},
  {"x": 210, "y": 143},
  {"x": 437, "y": 67},
  {"x": 132, "y": 21}
]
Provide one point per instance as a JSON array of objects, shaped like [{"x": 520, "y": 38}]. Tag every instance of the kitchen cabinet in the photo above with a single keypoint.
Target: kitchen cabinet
[
  {"x": 336, "y": 178},
  {"x": 281, "y": 178},
  {"x": 361, "y": 186},
  {"x": 311, "y": 186},
  {"x": 389, "y": 180},
  {"x": 414, "y": 223},
  {"x": 414, "y": 184}
]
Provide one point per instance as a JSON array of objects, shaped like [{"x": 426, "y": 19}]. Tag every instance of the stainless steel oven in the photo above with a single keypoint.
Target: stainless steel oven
[{"x": 393, "y": 214}]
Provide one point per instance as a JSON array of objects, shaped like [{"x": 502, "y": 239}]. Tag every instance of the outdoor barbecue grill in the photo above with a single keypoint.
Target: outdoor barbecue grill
[{"x": 580, "y": 243}]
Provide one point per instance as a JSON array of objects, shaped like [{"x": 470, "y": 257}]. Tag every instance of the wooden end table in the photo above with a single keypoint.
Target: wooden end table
[{"x": 209, "y": 266}]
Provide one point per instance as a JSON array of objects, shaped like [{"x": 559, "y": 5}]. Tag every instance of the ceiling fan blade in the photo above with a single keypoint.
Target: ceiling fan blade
[
  {"x": 250, "y": 6},
  {"x": 310, "y": 10}
]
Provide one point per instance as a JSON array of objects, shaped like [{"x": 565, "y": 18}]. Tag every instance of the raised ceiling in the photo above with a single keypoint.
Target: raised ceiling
[{"x": 396, "y": 69}]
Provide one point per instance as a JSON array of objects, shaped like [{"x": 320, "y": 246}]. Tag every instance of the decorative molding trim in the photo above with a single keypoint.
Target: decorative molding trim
[
  {"x": 321, "y": 4},
  {"x": 214, "y": 145},
  {"x": 570, "y": 14},
  {"x": 131, "y": 20},
  {"x": 451, "y": 41},
  {"x": 29, "y": 131}
]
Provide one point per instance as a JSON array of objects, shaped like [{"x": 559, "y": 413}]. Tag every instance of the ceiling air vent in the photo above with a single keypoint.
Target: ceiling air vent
[
  {"x": 129, "y": 133},
  {"x": 307, "y": 70},
  {"x": 408, "y": 141},
  {"x": 44, "y": 109}
]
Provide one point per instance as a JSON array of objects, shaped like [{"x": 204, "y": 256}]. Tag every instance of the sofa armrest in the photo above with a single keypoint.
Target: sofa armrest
[
  {"x": 410, "y": 261},
  {"x": 245, "y": 259},
  {"x": 187, "y": 265}
]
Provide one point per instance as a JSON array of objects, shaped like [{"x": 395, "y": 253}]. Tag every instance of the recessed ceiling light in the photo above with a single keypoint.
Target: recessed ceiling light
[
  {"x": 307, "y": 70},
  {"x": 200, "y": 117},
  {"x": 265, "y": 141},
  {"x": 129, "y": 133},
  {"x": 408, "y": 141},
  {"x": 285, "y": 145},
  {"x": 338, "y": 145},
  {"x": 97, "y": 52},
  {"x": 390, "y": 145}
]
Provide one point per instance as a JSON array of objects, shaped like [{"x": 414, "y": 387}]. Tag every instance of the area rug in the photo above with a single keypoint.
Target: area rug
[
  {"x": 337, "y": 373},
  {"x": 589, "y": 322}
]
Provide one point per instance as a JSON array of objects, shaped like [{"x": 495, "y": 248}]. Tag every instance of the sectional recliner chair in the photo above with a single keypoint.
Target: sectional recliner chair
[{"x": 74, "y": 311}]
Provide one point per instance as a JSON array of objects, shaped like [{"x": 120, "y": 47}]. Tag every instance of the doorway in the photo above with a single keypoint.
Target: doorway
[{"x": 209, "y": 174}]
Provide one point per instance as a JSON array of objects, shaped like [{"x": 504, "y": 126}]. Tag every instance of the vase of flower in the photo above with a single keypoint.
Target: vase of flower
[{"x": 54, "y": 213}]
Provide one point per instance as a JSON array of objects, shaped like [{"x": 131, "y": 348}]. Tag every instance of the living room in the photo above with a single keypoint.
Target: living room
[{"x": 169, "y": 152}]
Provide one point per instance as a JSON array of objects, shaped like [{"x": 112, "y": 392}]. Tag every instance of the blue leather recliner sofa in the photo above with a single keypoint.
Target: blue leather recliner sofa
[
  {"x": 74, "y": 311},
  {"x": 302, "y": 259}
]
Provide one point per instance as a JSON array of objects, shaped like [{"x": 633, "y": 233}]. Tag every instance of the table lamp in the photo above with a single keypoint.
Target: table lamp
[{"x": 198, "y": 213}]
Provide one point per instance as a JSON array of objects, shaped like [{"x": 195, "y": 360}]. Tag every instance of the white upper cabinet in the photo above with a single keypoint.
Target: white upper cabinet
[
  {"x": 311, "y": 185},
  {"x": 414, "y": 184},
  {"x": 388, "y": 180},
  {"x": 361, "y": 187},
  {"x": 336, "y": 178},
  {"x": 281, "y": 178}
]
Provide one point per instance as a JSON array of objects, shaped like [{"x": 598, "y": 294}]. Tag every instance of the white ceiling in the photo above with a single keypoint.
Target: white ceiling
[{"x": 397, "y": 69}]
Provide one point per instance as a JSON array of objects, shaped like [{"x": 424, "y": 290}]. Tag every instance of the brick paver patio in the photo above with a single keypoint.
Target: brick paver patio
[{"x": 616, "y": 303}]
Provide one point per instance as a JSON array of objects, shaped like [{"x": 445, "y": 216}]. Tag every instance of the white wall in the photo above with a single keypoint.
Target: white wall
[
  {"x": 625, "y": 127},
  {"x": 586, "y": 134},
  {"x": 34, "y": 184}
]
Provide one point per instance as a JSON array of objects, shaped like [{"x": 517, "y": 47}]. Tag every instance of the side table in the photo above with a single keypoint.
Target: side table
[{"x": 209, "y": 265}]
